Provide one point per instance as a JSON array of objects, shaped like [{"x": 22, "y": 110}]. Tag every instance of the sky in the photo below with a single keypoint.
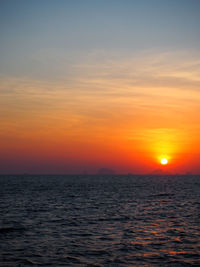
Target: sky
[{"x": 97, "y": 84}]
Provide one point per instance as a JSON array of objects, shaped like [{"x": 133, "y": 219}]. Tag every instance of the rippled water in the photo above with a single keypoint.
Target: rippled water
[{"x": 100, "y": 220}]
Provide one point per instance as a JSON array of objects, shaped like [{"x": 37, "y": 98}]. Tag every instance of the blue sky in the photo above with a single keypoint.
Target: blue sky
[{"x": 35, "y": 35}]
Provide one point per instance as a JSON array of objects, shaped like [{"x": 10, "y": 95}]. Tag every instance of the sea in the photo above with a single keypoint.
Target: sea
[{"x": 99, "y": 220}]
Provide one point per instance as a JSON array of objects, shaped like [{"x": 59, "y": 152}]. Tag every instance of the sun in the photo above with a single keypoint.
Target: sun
[{"x": 163, "y": 161}]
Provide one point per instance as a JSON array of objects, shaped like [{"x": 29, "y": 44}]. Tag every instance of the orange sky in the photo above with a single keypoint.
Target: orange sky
[
  {"x": 66, "y": 109},
  {"x": 118, "y": 115}
]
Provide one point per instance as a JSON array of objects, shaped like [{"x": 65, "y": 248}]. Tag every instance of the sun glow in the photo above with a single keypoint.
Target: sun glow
[{"x": 164, "y": 161}]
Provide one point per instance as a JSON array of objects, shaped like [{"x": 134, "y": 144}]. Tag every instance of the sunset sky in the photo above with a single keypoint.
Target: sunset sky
[{"x": 99, "y": 84}]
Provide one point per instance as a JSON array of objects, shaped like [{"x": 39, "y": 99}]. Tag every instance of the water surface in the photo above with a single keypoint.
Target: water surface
[{"x": 99, "y": 220}]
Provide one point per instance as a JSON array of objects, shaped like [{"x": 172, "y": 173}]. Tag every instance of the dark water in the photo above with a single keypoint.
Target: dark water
[{"x": 100, "y": 221}]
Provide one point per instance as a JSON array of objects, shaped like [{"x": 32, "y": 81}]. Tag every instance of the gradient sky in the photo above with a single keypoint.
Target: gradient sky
[{"x": 91, "y": 84}]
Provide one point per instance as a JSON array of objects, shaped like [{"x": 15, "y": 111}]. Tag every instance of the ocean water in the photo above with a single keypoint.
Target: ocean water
[{"x": 99, "y": 220}]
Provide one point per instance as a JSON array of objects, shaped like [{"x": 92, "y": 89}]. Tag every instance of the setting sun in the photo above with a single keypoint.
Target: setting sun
[{"x": 164, "y": 161}]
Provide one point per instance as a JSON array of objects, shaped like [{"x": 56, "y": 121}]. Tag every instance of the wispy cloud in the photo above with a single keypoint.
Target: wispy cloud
[{"x": 108, "y": 93}]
